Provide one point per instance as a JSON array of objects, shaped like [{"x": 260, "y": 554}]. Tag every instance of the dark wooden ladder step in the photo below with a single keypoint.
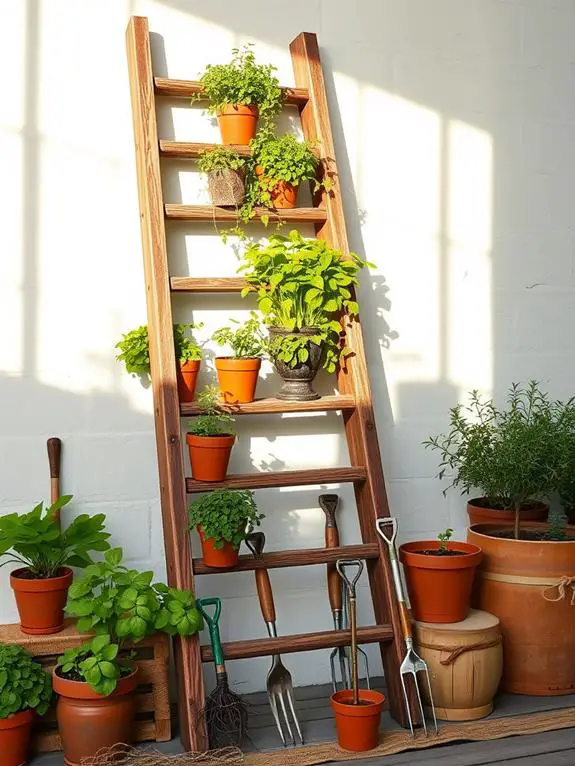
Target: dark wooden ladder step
[{"x": 264, "y": 480}]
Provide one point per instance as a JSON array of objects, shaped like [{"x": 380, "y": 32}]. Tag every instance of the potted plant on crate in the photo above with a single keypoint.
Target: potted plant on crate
[
  {"x": 239, "y": 92},
  {"x": 282, "y": 163},
  {"x": 25, "y": 689},
  {"x": 210, "y": 438},
  {"x": 223, "y": 518},
  {"x": 225, "y": 170},
  {"x": 96, "y": 682},
  {"x": 35, "y": 541},
  {"x": 238, "y": 374},
  {"x": 305, "y": 291}
]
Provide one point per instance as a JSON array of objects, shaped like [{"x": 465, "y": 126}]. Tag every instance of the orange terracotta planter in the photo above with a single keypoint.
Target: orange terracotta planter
[
  {"x": 209, "y": 456},
  {"x": 439, "y": 586},
  {"x": 88, "y": 721},
  {"x": 283, "y": 194},
  {"x": 41, "y": 602},
  {"x": 238, "y": 123},
  {"x": 519, "y": 581},
  {"x": 237, "y": 378},
  {"x": 357, "y": 725},
  {"x": 187, "y": 376},
  {"x": 218, "y": 558},
  {"x": 482, "y": 514},
  {"x": 15, "y": 734}
]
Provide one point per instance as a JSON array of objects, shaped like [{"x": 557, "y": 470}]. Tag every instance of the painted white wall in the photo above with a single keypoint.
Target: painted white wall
[{"x": 454, "y": 126}]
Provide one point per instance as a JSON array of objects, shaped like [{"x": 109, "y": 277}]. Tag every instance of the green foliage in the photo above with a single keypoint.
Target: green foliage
[
  {"x": 96, "y": 663},
  {"x": 213, "y": 421},
  {"x": 303, "y": 283},
  {"x": 135, "y": 352},
  {"x": 444, "y": 538},
  {"x": 220, "y": 158},
  {"x": 284, "y": 158},
  {"x": 34, "y": 539},
  {"x": 185, "y": 347},
  {"x": 24, "y": 684},
  {"x": 247, "y": 341},
  {"x": 225, "y": 515}
]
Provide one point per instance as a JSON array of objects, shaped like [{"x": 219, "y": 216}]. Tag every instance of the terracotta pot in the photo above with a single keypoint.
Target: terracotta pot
[
  {"x": 439, "y": 586},
  {"x": 238, "y": 123},
  {"x": 210, "y": 455},
  {"x": 283, "y": 193},
  {"x": 88, "y": 721},
  {"x": 218, "y": 558},
  {"x": 297, "y": 380},
  {"x": 226, "y": 187},
  {"x": 357, "y": 725},
  {"x": 187, "y": 376},
  {"x": 237, "y": 378},
  {"x": 519, "y": 582},
  {"x": 15, "y": 734},
  {"x": 41, "y": 602},
  {"x": 483, "y": 514}
]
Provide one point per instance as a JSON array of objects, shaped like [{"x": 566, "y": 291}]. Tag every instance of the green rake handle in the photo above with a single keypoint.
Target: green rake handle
[{"x": 212, "y": 622}]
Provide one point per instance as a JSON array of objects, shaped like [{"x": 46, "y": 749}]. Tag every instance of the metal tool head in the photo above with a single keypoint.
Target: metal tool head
[
  {"x": 411, "y": 666},
  {"x": 328, "y": 503},
  {"x": 342, "y": 565},
  {"x": 256, "y": 542},
  {"x": 387, "y": 529},
  {"x": 280, "y": 689}
]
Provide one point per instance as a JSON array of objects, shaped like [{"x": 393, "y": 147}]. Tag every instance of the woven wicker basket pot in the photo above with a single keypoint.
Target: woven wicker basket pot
[{"x": 226, "y": 187}]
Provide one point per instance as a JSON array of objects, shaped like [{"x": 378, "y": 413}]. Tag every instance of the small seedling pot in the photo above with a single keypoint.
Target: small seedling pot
[
  {"x": 41, "y": 602},
  {"x": 357, "y": 725},
  {"x": 439, "y": 586},
  {"x": 210, "y": 455},
  {"x": 238, "y": 123},
  {"x": 297, "y": 380},
  {"x": 283, "y": 193},
  {"x": 187, "y": 376},
  {"x": 15, "y": 732},
  {"x": 218, "y": 558},
  {"x": 237, "y": 378}
]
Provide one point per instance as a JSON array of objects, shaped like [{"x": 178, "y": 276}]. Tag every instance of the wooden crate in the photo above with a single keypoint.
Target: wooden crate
[{"x": 153, "y": 719}]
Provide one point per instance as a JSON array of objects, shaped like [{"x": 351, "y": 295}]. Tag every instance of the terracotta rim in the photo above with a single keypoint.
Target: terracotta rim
[
  {"x": 41, "y": 585},
  {"x": 191, "y": 365},
  {"x": 487, "y": 530},
  {"x": 210, "y": 442},
  {"x": 410, "y": 555},
  {"x": 250, "y": 364},
  {"x": 22, "y": 718},
  {"x": 536, "y": 507},
  {"x": 82, "y": 691},
  {"x": 340, "y": 703},
  {"x": 232, "y": 109}
]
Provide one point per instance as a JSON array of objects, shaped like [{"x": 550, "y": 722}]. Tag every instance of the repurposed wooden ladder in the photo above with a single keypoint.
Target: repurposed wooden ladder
[{"x": 353, "y": 400}]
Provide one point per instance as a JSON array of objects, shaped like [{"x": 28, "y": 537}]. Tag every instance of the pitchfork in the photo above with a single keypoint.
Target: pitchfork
[{"x": 412, "y": 663}]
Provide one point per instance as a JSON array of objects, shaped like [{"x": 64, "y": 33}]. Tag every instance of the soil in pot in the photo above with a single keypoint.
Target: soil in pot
[
  {"x": 439, "y": 585},
  {"x": 283, "y": 193},
  {"x": 238, "y": 123},
  {"x": 480, "y": 511},
  {"x": 237, "y": 378},
  {"x": 88, "y": 721},
  {"x": 226, "y": 187},
  {"x": 297, "y": 380},
  {"x": 357, "y": 725},
  {"x": 15, "y": 734},
  {"x": 41, "y": 602},
  {"x": 210, "y": 455},
  {"x": 187, "y": 376},
  {"x": 218, "y": 558}
]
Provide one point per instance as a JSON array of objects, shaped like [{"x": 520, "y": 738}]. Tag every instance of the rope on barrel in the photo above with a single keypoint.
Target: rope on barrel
[
  {"x": 457, "y": 651},
  {"x": 562, "y": 585}
]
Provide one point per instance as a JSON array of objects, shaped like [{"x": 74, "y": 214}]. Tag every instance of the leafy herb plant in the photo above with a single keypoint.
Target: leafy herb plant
[
  {"x": 225, "y": 515},
  {"x": 24, "y": 684},
  {"x": 247, "y": 341},
  {"x": 284, "y": 158},
  {"x": 213, "y": 421},
  {"x": 220, "y": 158},
  {"x": 34, "y": 540},
  {"x": 444, "y": 538},
  {"x": 135, "y": 350}
]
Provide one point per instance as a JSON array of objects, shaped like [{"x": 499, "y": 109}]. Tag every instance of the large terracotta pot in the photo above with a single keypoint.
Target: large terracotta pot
[
  {"x": 209, "y": 456},
  {"x": 41, "y": 602},
  {"x": 218, "y": 558},
  {"x": 297, "y": 380},
  {"x": 480, "y": 513},
  {"x": 187, "y": 376},
  {"x": 15, "y": 734},
  {"x": 237, "y": 378},
  {"x": 238, "y": 123},
  {"x": 357, "y": 725},
  {"x": 88, "y": 721},
  {"x": 283, "y": 193},
  {"x": 529, "y": 586}
]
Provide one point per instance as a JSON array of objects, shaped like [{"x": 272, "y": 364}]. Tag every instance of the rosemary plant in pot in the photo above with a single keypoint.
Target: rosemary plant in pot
[
  {"x": 96, "y": 682},
  {"x": 225, "y": 171},
  {"x": 305, "y": 293},
  {"x": 210, "y": 438},
  {"x": 223, "y": 518},
  {"x": 238, "y": 373},
  {"x": 45, "y": 552},
  {"x": 25, "y": 690},
  {"x": 282, "y": 164}
]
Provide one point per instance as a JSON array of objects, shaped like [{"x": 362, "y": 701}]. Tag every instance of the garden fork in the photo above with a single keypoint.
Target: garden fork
[
  {"x": 279, "y": 681},
  {"x": 412, "y": 663}
]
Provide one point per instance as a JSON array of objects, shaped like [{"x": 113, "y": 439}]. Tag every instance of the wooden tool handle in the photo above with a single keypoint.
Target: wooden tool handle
[
  {"x": 265, "y": 595},
  {"x": 405, "y": 620},
  {"x": 333, "y": 579},
  {"x": 54, "y": 459}
]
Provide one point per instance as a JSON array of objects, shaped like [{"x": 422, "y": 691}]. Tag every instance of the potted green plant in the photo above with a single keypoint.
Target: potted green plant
[
  {"x": 25, "y": 690},
  {"x": 45, "y": 554},
  {"x": 282, "y": 164},
  {"x": 439, "y": 575},
  {"x": 96, "y": 682},
  {"x": 134, "y": 351},
  {"x": 238, "y": 373},
  {"x": 239, "y": 92},
  {"x": 305, "y": 293},
  {"x": 223, "y": 518},
  {"x": 210, "y": 438},
  {"x": 225, "y": 170}
]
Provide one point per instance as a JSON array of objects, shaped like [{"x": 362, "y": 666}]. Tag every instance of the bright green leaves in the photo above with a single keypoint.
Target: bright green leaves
[
  {"x": 225, "y": 515},
  {"x": 134, "y": 347},
  {"x": 24, "y": 684},
  {"x": 220, "y": 158},
  {"x": 247, "y": 341},
  {"x": 284, "y": 158},
  {"x": 213, "y": 421}
]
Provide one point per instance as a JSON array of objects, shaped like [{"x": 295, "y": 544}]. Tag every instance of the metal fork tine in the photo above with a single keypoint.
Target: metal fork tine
[
  {"x": 407, "y": 706},
  {"x": 421, "y": 711},
  {"x": 274, "y": 707},
  {"x": 284, "y": 710},
  {"x": 291, "y": 700},
  {"x": 431, "y": 698}
]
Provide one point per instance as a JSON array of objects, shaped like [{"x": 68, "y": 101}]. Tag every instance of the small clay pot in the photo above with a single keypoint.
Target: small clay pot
[
  {"x": 226, "y": 187},
  {"x": 237, "y": 378},
  {"x": 187, "y": 377},
  {"x": 479, "y": 512},
  {"x": 41, "y": 602},
  {"x": 218, "y": 558},
  {"x": 357, "y": 725},
  {"x": 297, "y": 380},
  {"x": 210, "y": 455},
  {"x": 15, "y": 734},
  {"x": 238, "y": 123},
  {"x": 283, "y": 193}
]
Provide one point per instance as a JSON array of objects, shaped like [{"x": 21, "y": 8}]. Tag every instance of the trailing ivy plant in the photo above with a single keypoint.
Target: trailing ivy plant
[
  {"x": 247, "y": 341},
  {"x": 24, "y": 684},
  {"x": 134, "y": 347},
  {"x": 284, "y": 158},
  {"x": 225, "y": 515},
  {"x": 303, "y": 283},
  {"x": 213, "y": 421}
]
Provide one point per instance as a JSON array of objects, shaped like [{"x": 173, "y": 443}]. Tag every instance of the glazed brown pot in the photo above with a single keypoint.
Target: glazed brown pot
[
  {"x": 218, "y": 558},
  {"x": 238, "y": 123},
  {"x": 525, "y": 584},
  {"x": 187, "y": 376},
  {"x": 15, "y": 734},
  {"x": 237, "y": 378},
  {"x": 41, "y": 602},
  {"x": 480, "y": 513},
  {"x": 297, "y": 380},
  {"x": 210, "y": 455},
  {"x": 357, "y": 725},
  {"x": 87, "y": 721}
]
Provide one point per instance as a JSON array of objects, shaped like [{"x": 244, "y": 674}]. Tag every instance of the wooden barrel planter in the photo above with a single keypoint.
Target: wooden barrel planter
[{"x": 465, "y": 662}]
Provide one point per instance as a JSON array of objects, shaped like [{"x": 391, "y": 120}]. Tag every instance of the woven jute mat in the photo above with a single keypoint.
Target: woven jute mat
[{"x": 398, "y": 741}]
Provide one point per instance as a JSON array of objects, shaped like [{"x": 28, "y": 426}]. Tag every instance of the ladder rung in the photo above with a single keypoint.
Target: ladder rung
[
  {"x": 299, "y": 642},
  {"x": 188, "y": 88},
  {"x": 266, "y": 406},
  {"x": 263, "y": 480},
  {"x": 211, "y": 214},
  {"x": 294, "y": 558},
  {"x": 207, "y": 284},
  {"x": 184, "y": 150}
]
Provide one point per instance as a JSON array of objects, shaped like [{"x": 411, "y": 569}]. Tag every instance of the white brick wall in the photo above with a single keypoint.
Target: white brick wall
[{"x": 454, "y": 124}]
